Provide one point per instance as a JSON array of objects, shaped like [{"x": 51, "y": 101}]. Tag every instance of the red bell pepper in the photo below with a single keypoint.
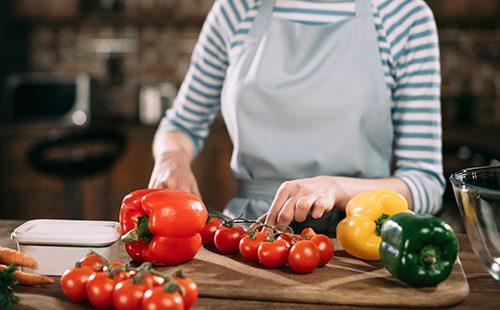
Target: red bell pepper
[{"x": 162, "y": 226}]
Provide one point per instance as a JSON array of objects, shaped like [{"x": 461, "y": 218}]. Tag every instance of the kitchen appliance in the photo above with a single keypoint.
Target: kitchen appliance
[
  {"x": 477, "y": 191},
  {"x": 48, "y": 97},
  {"x": 58, "y": 244}
]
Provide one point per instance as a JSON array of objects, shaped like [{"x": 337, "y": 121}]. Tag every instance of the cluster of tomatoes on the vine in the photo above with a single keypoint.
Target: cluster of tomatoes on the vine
[
  {"x": 273, "y": 248},
  {"x": 119, "y": 286}
]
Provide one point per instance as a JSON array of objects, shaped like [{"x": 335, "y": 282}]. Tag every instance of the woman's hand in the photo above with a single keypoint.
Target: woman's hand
[
  {"x": 295, "y": 199},
  {"x": 173, "y": 170}
]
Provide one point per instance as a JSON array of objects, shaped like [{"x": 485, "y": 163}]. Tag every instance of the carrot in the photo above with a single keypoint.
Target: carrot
[
  {"x": 29, "y": 278},
  {"x": 10, "y": 256}
]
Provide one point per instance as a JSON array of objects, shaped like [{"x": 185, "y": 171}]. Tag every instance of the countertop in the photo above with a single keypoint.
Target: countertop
[{"x": 484, "y": 290}]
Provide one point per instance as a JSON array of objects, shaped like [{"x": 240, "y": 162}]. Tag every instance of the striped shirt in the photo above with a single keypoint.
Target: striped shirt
[{"x": 409, "y": 53}]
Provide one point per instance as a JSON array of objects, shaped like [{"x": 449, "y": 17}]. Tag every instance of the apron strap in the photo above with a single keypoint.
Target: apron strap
[
  {"x": 363, "y": 8},
  {"x": 262, "y": 20}
]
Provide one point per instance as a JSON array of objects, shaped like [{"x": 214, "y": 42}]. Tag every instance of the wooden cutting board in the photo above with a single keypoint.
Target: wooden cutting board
[{"x": 344, "y": 281}]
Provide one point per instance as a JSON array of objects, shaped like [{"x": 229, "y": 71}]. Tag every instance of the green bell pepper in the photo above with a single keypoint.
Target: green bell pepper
[{"x": 418, "y": 249}]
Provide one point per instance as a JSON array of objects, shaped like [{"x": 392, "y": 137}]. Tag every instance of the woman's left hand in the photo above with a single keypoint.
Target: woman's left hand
[{"x": 295, "y": 199}]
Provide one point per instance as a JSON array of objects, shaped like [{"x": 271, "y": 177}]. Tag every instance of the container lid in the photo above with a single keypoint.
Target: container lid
[{"x": 67, "y": 233}]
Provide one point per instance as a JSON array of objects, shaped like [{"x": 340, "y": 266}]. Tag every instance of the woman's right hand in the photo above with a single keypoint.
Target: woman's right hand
[{"x": 173, "y": 170}]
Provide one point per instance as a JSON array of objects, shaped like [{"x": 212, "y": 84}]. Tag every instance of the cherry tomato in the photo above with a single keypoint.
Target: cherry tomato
[
  {"x": 127, "y": 294},
  {"x": 325, "y": 247},
  {"x": 273, "y": 254},
  {"x": 113, "y": 264},
  {"x": 250, "y": 244},
  {"x": 227, "y": 239},
  {"x": 304, "y": 256},
  {"x": 94, "y": 261},
  {"x": 157, "y": 298},
  {"x": 73, "y": 282},
  {"x": 308, "y": 232},
  {"x": 100, "y": 290},
  {"x": 290, "y": 240},
  {"x": 172, "y": 251},
  {"x": 208, "y": 231},
  {"x": 190, "y": 288}
]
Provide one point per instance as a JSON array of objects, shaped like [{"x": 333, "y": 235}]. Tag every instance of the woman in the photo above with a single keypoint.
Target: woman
[{"x": 318, "y": 97}]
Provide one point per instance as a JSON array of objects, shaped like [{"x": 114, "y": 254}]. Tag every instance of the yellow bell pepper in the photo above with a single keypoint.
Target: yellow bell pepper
[{"x": 359, "y": 232}]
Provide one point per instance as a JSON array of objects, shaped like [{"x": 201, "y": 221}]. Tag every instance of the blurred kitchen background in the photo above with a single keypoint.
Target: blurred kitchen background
[{"x": 83, "y": 84}]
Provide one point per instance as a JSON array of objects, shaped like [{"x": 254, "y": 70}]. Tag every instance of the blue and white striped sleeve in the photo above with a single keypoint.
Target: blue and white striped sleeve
[
  {"x": 417, "y": 111},
  {"x": 198, "y": 100}
]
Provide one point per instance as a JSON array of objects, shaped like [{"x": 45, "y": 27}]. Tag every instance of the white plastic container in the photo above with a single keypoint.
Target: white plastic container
[{"x": 57, "y": 244}]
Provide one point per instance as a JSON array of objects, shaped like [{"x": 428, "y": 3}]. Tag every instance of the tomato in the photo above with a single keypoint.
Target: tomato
[
  {"x": 174, "y": 213},
  {"x": 190, "y": 288},
  {"x": 308, "y": 232},
  {"x": 208, "y": 231},
  {"x": 249, "y": 246},
  {"x": 172, "y": 251},
  {"x": 100, "y": 289},
  {"x": 227, "y": 239},
  {"x": 113, "y": 264},
  {"x": 325, "y": 247},
  {"x": 304, "y": 257},
  {"x": 127, "y": 294},
  {"x": 94, "y": 261},
  {"x": 273, "y": 254},
  {"x": 289, "y": 239},
  {"x": 157, "y": 298},
  {"x": 73, "y": 282}
]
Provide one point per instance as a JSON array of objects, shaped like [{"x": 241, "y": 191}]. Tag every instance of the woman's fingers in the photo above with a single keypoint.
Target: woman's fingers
[
  {"x": 284, "y": 192},
  {"x": 321, "y": 206},
  {"x": 303, "y": 206},
  {"x": 285, "y": 216}
]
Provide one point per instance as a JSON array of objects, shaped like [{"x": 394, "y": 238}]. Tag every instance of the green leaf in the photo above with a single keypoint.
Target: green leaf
[{"x": 7, "y": 282}]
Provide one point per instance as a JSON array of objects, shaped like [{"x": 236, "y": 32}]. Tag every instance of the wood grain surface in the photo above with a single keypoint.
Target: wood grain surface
[
  {"x": 225, "y": 283},
  {"x": 343, "y": 281}
]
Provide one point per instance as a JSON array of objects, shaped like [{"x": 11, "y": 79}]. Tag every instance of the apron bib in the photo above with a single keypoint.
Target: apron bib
[{"x": 305, "y": 100}]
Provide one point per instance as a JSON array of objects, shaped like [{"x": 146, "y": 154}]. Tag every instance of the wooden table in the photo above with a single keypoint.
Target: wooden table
[{"x": 484, "y": 290}]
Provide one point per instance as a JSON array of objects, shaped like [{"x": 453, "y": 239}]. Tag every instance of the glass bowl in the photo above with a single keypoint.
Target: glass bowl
[{"x": 477, "y": 191}]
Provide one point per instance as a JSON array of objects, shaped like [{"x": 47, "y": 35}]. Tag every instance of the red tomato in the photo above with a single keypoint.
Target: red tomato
[
  {"x": 325, "y": 247},
  {"x": 290, "y": 240},
  {"x": 173, "y": 251},
  {"x": 73, "y": 282},
  {"x": 174, "y": 213},
  {"x": 100, "y": 290},
  {"x": 308, "y": 232},
  {"x": 190, "y": 288},
  {"x": 273, "y": 254},
  {"x": 113, "y": 264},
  {"x": 94, "y": 261},
  {"x": 227, "y": 239},
  {"x": 304, "y": 257},
  {"x": 157, "y": 299},
  {"x": 249, "y": 246},
  {"x": 127, "y": 294},
  {"x": 208, "y": 231}
]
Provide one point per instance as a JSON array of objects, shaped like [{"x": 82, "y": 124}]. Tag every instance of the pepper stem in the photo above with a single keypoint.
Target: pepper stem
[
  {"x": 379, "y": 222},
  {"x": 429, "y": 255},
  {"x": 141, "y": 232}
]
